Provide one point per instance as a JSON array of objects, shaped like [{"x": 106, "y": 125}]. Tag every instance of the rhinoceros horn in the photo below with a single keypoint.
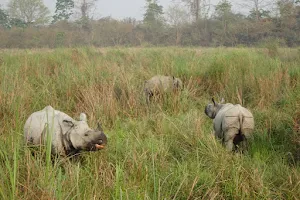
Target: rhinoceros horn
[{"x": 213, "y": 100}]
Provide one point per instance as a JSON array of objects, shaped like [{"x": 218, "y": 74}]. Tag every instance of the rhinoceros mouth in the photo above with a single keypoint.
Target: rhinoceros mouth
[
  {"x": 95, "y": 146},
  {"x": 99, "y": 146}
]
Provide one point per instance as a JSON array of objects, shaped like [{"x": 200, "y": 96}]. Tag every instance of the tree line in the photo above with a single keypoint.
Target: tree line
[{"x": 28, "y": 24}]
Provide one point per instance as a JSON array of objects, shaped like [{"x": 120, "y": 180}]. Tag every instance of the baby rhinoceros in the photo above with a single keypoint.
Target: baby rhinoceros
[
  {"x": 161, "y": 84},
  {"x": 67, "y": 136},
  {"x": 233, "y": 124}
]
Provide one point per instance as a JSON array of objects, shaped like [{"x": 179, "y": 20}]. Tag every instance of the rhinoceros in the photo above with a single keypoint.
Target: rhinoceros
[
  {"x": 161, "y": 84},
  {"x": 68, "y": 136},
  {"x": 233, "y": 124}
]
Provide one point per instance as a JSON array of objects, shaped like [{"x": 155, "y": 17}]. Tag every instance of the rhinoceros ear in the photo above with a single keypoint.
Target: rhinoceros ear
[
  {"x": 82, "y": 117},
  {"x": 222, "y": 100},
  {"x": 99, "y": 127},
  {"x": 213, "y": 100},
  {"x": 68, "y": 123}
]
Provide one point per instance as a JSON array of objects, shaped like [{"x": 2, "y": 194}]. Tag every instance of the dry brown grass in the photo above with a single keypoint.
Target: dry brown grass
[{"x": 162, "y": 151}]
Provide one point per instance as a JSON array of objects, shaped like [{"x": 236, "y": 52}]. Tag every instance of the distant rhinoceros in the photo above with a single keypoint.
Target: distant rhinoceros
[
  {"x": 161, "y": 84},
  {"x": 233, "y": 124},
  {"x": 68, "y": 136}
]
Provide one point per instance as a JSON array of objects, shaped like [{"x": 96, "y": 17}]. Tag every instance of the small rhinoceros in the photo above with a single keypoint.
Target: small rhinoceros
[
  {"x": 161, "y": 84},
  {"x": 68, "y": 136},
  {"x": 233, "y": 124}
]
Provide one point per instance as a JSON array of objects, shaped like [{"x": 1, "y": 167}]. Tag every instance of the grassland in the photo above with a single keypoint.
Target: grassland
[{"x": 166, "y": 151}]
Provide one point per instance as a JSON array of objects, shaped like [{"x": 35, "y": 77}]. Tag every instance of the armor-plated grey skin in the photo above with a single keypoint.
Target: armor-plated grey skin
[
  {"x": 68, "y": 136},
  {"x": 161, "y": 84},
  {"x": 233, "y": 124}
]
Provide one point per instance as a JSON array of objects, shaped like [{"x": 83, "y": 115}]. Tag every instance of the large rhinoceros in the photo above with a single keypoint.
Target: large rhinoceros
[
  {"x": 161, "y": 84},
  {"x": 233, "y": 124},
  {"x": 68, "y": 136}
]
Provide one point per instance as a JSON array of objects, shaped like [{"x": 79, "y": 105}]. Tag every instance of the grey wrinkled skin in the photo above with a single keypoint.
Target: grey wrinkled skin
[
  {"x": 68, "y": 136},
  {"x": 233, "y": 124},
  {"x": 161, "y": 84}
]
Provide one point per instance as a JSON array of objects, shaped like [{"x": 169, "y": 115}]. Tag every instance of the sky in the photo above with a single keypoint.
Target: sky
[{"x": 117, "y": 9}]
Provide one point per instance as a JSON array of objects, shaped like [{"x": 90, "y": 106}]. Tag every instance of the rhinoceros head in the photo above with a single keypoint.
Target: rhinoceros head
[
  {"x": 82, "y": 137},
  {"x": 211, "y": 110},
  {"x": 177, "y": 83}
]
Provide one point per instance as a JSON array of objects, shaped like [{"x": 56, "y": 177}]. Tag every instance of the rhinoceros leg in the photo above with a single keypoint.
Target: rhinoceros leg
[
  {"x": 239, "y": 142},
  {"x": 247, "y": 133},
  {"x": 148, "y": 95},
  {"x": 229, "y": 136}
]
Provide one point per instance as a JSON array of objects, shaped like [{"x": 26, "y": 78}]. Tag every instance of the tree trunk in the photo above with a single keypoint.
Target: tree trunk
[
  {"x": 256, "y": 9},
  {"x": 178, "y": 36},
  {"x": 197, "y": 2}
]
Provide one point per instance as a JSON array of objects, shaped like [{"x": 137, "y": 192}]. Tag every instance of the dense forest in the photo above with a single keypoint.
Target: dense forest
[{"x": 29, "y": 24}]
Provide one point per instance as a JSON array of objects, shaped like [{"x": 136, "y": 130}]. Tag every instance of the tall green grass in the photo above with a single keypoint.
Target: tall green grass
[{"x": 166, "y": 150}]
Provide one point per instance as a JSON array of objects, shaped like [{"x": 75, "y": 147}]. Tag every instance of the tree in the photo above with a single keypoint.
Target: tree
[
  {"x": 7, "y": 22},
  {"x": 198, "y": 8},
  {"x": 85, "y": 8},
  {"x": 254, "y": 14},
  {"x": 63, "y": 10},
  {"x": 177, "y": 17},
  {"x": 288, "y": 22},
  {"x": 257, "y": 7},
  {"x": 153, "y": 21},
  {"x": 15, "y": 22},
  {"x": 4, "y": 19},
  {"x": 153, "y": 13},
  {"x": 29, "y": 11},
  {"x": 224, "y": 13}
]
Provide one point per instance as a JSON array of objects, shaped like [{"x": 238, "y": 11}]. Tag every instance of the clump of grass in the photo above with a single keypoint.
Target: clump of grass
[
  {"x": 272, "y": 49},
  {"x": 162, "y": 151}
]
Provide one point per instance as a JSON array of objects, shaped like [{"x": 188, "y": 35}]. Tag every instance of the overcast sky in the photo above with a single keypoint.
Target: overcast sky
[{"x": 118, "y": 8}]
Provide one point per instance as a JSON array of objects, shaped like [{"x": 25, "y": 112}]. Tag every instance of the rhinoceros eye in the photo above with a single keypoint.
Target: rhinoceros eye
[{"x": 86, "y": 134}]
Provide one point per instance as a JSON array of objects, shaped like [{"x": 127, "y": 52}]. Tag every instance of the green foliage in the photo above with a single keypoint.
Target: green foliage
[
  {"x": 63, "y": 10},
  {"x": 272, "y": 45},
  {"x": 29, "y": 11},
  {"x": 225, "y": 16},
  {"x": 154, "y": 12},
  {"x": 14, "y": 22},
  {"x": 60, "y": 39},
  {"x": 153, "y": 23},
  {"x": 7, "y": 22},
  {"x": 261, "y": 14},
  {"x": 223, "y": 9},
  {"x": 4, "y": 19},
  {"x": 84, "y": 23}
]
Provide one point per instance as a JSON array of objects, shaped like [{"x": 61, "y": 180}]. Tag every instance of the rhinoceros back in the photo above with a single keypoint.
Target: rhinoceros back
[
  {"x": 248, "y": 120},
  {"x": 36, "y": 123},
  {"x": 43, "y": 123},
  {"x": 236, "y": 116},
  {"x": 159, "y": 83}
]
